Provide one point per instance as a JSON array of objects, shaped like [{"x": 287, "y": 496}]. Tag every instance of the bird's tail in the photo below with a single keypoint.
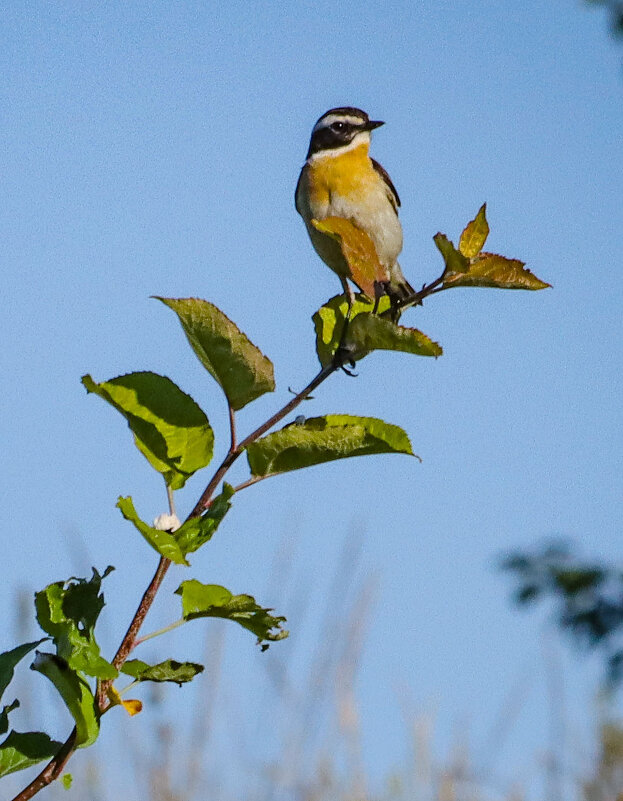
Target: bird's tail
[{"x": 399, "y": 287}]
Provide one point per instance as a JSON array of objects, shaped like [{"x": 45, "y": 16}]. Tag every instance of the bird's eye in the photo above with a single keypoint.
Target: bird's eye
[{"x": 338, "y": 127}]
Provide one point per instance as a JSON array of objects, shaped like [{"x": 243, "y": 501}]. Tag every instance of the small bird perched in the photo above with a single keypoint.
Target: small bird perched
[{"x": 339, "y": 179}]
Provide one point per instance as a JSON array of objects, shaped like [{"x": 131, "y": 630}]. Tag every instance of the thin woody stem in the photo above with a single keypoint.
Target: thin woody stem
[
  {"x": 52, "y": 770},
  {"x": 428, "y": 289},
  {"x": 251, "y": 481},
  {"x": 203, "y": 502},
  {"x": 232, "y": 427},
  {"x": 171, "y": 500},
  {"x": 55, "y": 766}
]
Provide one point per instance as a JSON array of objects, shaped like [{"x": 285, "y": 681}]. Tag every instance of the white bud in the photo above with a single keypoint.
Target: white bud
[{"x": 167, "y": 522}]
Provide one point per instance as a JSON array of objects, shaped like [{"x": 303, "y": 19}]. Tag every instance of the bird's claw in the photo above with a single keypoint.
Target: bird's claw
[{"x": 344, "y": 356}]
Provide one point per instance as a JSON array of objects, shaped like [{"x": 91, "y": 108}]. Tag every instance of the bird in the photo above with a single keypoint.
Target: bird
[{"x": 340, "y": 179}]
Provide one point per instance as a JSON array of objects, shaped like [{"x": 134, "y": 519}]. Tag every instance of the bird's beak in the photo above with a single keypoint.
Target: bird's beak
[{"x": 372, "y": 124}]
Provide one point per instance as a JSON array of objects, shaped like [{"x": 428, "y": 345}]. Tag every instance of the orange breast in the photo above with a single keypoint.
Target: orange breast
[{"x": 347, "y": 175}]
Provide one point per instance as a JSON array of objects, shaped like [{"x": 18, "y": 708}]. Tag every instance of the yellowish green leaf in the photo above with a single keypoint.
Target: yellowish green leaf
[
  {"x": 330, "y": 319},
  {"x": 368, "y": 332},
  {"x": 196, "y": 531},
  {"x": 164, "y": 542},
  {"x": 131, "y": 705},
  {"x": 169, "y": 428},
  {"x": 68, "y": 611},
  {"x": 455, "y": 261},
  {"x": 475, "y": 234},
  {"x": 498, "y": 272}
]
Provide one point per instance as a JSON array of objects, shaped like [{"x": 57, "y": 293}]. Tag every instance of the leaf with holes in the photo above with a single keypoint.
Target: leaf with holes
[
  {"x": 212, "y": 600},
  {"x": 68, "y": 611},
  {"x": 170, "y": 670}
]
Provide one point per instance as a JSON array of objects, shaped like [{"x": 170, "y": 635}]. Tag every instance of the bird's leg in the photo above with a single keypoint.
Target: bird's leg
[
  {"x": 395, "y": 300},
  {"x": 380, "y": 288},
  {"x": 348, "y": 291},
  {"x": 343, "y": 354}
]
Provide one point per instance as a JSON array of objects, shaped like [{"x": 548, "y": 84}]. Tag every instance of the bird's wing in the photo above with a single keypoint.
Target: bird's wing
[
  {"x": 392, "y": 194},
  {"x": 296, "y": 193}
]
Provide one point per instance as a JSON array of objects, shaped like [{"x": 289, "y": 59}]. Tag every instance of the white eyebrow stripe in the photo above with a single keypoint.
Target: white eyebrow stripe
[{"x": 326, "y": 122}]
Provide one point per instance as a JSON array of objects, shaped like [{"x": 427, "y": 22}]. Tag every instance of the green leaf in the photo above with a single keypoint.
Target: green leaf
[
  {"x": 20, "y": 750},
  {"x": 241, "y": 369},
  {"x": 329, "y": 322},
  {"x": 67, "y": 780},
  {"x": 75, "y": 692},
  {"x": 368, "y": 332},
  {"x": 169, "y": 428},
  {"x": 164, "y": 542},
  {"x": 198, "y": 530},
  {"x": 475, "y": 234},
  {"x": 68, "y": 611},
  {"x": 212, "y": 600},
  {"x": 9, "y": 659},
  {"x": 4, "y": 715},
  {"x": 176, "y": 672},
  {"x": 498, "y": 272},
  {"x": 323, "y": 439},
  {"x": 455, "y": 261}
]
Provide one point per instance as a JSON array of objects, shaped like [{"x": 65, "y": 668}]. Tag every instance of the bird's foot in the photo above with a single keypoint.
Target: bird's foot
[{"x": 344, "y": 356}]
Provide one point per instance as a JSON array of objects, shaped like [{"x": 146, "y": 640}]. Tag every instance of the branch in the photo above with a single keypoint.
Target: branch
[
  {"x": 203, "y": 502},
  {"x": 428, "y": 289},
  {"x": 55, "y": 767},
  {"x": 232, "y": 427},
  {"x": 52, "y": 770}
]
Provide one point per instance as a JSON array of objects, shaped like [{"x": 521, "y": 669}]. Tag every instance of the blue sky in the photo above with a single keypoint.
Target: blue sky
[{"x": 153, "y": 148}]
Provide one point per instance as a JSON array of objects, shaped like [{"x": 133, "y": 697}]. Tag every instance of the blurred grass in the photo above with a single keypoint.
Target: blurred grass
[{"x": 311, "y": 711}]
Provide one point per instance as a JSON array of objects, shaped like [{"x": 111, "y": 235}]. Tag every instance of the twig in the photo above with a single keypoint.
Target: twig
[
  {"x": 171, "y": 500},
  {"x": 52, "y": 770},
  {"x": 203, "y": 502},
  {"x": 137, "y": 621},
  {"x": 253, "y": 480},
  {"x": 55, "y": 766},
  {"x": 232, "y": 427},
  {"x": 428, "y": 289},
  {"x": 157, "y": 633}
]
